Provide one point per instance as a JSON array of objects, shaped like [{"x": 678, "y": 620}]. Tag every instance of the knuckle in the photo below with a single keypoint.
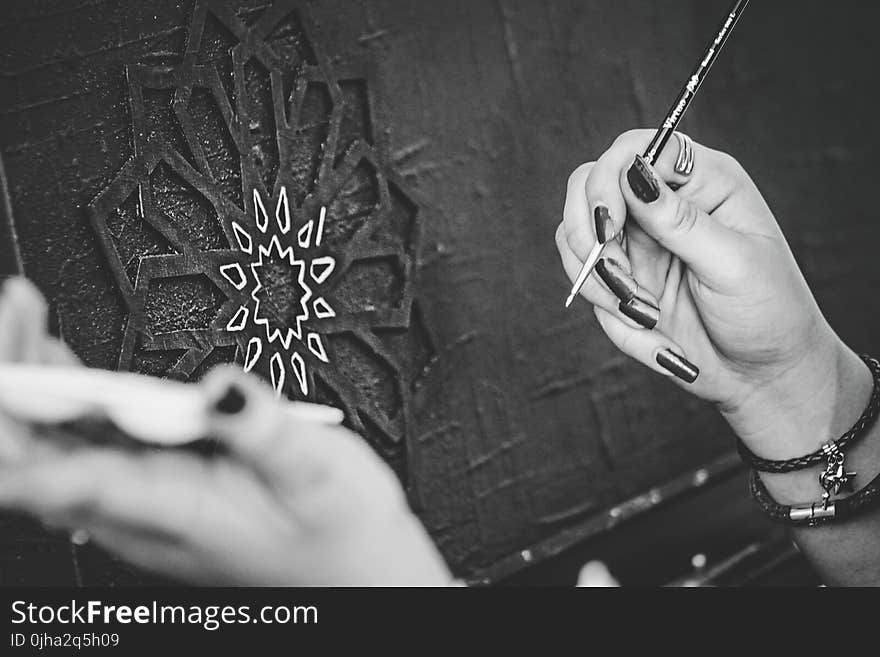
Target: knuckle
[
  {"x": 593, "y": 185},
  {"x": 578, "y": 176},
  {"x": 731, "y": 164},
  {"x": 579, "y": 240},
  {"x": 684, "y": 216},
  {"x": 624, "y": 343},
  {"x": 560, "y": 234},
  {"x": 634, "y": 138},
  {"x": 731, "y": 168}
]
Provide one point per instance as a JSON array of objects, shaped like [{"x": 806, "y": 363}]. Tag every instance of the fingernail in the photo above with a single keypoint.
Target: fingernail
[
  {"x": 677, "y": 365},
  {"x": 231, "y": 402},
  {"x": 604, "y": 225},
  {"x": 642, "y": 181},
  {"x": 642, "y": 309},
  {"x": 617, "y": 279}
]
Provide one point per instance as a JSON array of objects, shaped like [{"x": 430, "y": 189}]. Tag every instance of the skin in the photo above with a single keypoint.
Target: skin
[
  {"x": 288, "y": 504},
  {"x": 734, "y": 302}
]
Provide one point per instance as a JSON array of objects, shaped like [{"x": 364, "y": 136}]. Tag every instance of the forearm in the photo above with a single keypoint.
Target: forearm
[{"x": 844, "y": 553}]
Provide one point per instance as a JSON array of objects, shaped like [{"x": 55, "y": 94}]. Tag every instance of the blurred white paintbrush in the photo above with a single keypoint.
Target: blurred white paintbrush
[{"x": 151, "y": 410}]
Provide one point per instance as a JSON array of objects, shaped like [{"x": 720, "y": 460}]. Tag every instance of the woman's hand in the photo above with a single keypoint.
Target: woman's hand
[
  {"x": 731, "y": 298},
  {"x": 287, "y": 504}
]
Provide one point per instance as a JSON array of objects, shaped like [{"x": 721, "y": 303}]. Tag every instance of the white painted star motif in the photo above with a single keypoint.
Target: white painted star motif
[{"x": 283, "y": 345}]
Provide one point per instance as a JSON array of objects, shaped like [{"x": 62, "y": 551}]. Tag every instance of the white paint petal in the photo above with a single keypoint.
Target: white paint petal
[
  {"x": 324, "y": 266},
  {"x": 260, "y": 213},
  {"x": 276, "y": 369},
  {"x": 234, "y": 274},
  {"x": 282, "y": 212},
  {"x": 254, "y": 349},
  {"x": 319, "y": 235},
  {"x": 322, "y": 309},
  {"x": 239, "y": 319},
  {"x": 316, "y": 346},
  {"x": 299, "y": 370},
  {"x": 304, "y": 234},
  {"x": 245, "y": 243}
]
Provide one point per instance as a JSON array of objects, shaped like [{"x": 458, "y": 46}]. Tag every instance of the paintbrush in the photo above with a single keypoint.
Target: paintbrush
[
  {"x": 148, "y": 409},
  {"x": 673, "y": 116}
]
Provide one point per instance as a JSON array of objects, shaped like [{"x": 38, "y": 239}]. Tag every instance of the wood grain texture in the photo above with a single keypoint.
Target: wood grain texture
[{"x": 527, "y": 421}]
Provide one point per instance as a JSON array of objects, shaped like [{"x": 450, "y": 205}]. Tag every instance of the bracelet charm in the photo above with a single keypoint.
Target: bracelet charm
[{"x": 835, "y": 477}]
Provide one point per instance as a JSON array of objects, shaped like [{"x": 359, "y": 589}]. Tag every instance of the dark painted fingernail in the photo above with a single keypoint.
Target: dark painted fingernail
[
  {"x": 233, "y": 401},
  {"x": 642, "y": 181},
  {"x": 678, "y": 365},
  {"x": 617, "y": 279},
  {"x": 604, "y": 225},
  {"x": 642, "y": 309}
]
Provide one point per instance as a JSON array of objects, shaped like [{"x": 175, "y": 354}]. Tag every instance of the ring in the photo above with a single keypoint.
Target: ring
[
  {"x": 684, "y": 165},
  {"x": 80, "y": 536}
]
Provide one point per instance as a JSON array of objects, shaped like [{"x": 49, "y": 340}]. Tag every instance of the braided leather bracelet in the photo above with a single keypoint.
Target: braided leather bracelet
[
  {"x": 817, "y": 513},
  {"x": 831, "y": 451}
]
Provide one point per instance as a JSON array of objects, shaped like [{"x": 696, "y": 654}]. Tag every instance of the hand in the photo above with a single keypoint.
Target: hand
[
  {"x": 595, "y": 574},
  {"x": 731, "y": 298},
  {"x": 287, "y": 504}
]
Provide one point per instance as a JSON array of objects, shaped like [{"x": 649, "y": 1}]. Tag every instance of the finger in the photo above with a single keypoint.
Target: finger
[
  {"x": 595, "y": 573},
  {"x": 150, "y": 552},
  {"x": 20, "y": 444},
  {"x": 55, "y": 352},
  {"x": 577, "y": 223},
  {"x": 13, "y": 441},
  {"x": 246, "y": 416},
  {"x": 24, "y": 321},
  {"x": 592, "y": 290},
  {"x": 715, "y": 175},
  {"x": 23, "y": 330},
  {"x": 9, "y": 349},
  {"x": 713, "y": 181},
  {"x": 636, "y": 303},
  {"x": 715, "y": 252},
  {"x": 610, "y": 284},
  {"x": 158, "y": 492},
  {"x": 651, "y": 348},
  {"x": 648, "y": 258},
  {"x": 314, "y": 466}
]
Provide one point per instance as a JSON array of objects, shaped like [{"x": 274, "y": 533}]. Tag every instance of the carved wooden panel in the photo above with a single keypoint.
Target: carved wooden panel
[{"x": 259, "y": 220}]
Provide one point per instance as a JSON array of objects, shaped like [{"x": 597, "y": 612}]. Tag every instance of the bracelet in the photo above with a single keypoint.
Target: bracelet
[
  {"x": 835, "y": 475},
  {"x": 817, "y": 513}
]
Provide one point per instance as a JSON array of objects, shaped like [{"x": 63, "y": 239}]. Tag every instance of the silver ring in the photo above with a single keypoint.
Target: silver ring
[
  {"x": 80, "y": 536},
  {"x": 684, "y": 165}
]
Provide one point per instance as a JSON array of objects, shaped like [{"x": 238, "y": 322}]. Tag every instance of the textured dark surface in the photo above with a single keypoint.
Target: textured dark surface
[{"x": 526, "y": 422}]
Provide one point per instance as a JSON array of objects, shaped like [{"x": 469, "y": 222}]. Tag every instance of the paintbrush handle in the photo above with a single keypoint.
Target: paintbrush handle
[
  {"x": 673, "y": 117},
  {"x": 683, "y": 101}
]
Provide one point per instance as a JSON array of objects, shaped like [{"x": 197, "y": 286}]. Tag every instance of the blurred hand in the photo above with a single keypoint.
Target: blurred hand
[
  {"x": 288, "y": 504},
  {"x": 596, "y": 574},
  {"x": 731, "y": 298}
]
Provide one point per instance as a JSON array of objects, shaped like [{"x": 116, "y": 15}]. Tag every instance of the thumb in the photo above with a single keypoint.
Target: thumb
[
  {"x": 714, "y": 252},
  {"x": 276, "y": 438},
  {"x": 595, "y": 573}
]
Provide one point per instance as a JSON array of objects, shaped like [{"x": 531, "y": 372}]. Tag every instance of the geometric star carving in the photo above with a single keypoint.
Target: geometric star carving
[{"x": 260, "y": 213}]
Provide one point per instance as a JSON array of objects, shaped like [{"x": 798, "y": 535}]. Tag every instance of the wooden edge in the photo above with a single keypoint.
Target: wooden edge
[
  {"x": 10, "y": 257},
  {"x": 679, "y": 487}
]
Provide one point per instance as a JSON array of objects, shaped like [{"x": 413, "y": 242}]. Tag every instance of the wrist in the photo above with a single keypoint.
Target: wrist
[{"x": 811, "y": 403}]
